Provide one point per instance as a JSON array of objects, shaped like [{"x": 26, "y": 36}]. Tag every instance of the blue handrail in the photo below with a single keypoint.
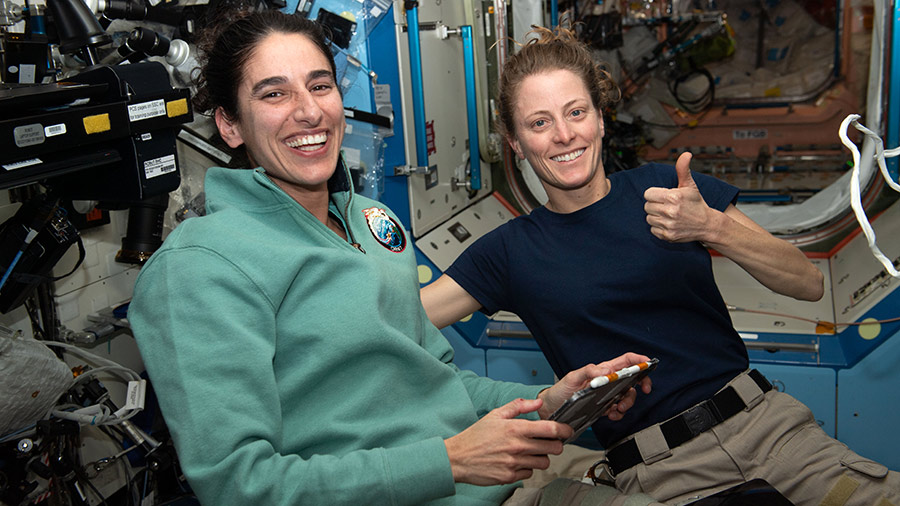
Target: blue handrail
[
  {"x": 892, "y": 137},
  {"x": 471, "y": 108},
  {"x": 554, "y": 13},
  {"x": 418, "y": 95}
]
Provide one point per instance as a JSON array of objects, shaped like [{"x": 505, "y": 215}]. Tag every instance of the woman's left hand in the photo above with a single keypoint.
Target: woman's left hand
[{"x": 555, "y": 396}]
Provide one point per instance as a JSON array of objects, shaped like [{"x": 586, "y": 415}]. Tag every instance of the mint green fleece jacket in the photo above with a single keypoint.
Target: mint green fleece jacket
[{"x": 294, "y": 368}]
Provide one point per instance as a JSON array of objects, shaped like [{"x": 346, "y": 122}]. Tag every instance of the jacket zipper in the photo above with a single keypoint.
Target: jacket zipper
[{"x": 345, "y": 220}]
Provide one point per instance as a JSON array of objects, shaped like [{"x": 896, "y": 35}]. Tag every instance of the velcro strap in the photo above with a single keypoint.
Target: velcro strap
[
  {"x": 750, "y": 389},
  {"x": 652, "y": 445},
  {"x": 840, "y": 492}
]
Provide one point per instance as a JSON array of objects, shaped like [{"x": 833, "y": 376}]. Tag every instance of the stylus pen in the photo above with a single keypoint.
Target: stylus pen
[{"x": 623, "y": 373}]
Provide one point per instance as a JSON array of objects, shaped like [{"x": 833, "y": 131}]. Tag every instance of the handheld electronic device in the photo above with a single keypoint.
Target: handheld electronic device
[{"x": 586, "y": 406}]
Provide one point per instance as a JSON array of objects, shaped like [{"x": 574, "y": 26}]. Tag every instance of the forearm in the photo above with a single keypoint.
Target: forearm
[
  {"x": 775, "y": 263},
  {"x": 484, "y": 393},
  {"x": 409, "y": 475},
  {"x": 681, "y": 214},
  {"x": 487, "y": 394}
]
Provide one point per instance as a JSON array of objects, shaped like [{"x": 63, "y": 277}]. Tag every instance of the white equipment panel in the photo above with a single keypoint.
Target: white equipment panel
[
  {"x": 860, "y": 280},
  {"x": 434, "y": 197},
  {"x": 854, "y": 283},
  {"x": 443, "y": 244},
  {"x": 741, "y": 290}
]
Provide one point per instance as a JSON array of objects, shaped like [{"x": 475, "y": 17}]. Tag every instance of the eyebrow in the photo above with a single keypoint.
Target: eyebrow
[
  {"x": 318, "y": 74},
  {"x": 277, "y": 80},
  {"x": 269, "y": 81}
]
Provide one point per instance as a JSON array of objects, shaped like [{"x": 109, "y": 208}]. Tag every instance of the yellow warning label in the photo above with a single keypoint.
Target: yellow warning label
[
  {"x": 177, "y": 107},
  {"x": 96, "y": 124}
]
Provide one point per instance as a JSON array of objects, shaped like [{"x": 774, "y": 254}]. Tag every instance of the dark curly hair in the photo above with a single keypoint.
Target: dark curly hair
[
  {"x": 227, "y": 45},
  {"x": 553, "y": 50}
]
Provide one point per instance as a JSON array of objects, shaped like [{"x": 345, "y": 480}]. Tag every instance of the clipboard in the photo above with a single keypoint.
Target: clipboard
[{"x": 586, "y": 406}]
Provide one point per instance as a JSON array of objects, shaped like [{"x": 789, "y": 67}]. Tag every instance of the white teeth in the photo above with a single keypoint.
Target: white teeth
[
  {"x": 308, "y": 142},
  {"x": 568, "y": 156}
]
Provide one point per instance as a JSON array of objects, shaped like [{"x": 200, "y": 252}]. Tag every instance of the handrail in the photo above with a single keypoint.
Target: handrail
[
  {"x": 418, "y": 95},
  {"x": 471, "y": 108},
  {"x": 751, "y": 345},
  {"x": 554, "y": 13},
  {"x": 892, "y": 134},
  {"x": 773, "y": 346}
]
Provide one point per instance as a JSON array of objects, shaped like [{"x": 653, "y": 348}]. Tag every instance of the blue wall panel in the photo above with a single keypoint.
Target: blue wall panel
[
  {"x": 868, "y": 404},
  {"x": 813, "y": 386},
  {"x": 521, "y": 366}
]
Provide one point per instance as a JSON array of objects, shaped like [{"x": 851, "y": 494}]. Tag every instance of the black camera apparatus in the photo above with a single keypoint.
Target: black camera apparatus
[{"x": 106, "y": 134}]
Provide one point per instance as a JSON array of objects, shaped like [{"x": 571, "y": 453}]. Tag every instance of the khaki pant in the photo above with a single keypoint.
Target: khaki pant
[
  {"x": 779, "y": 441},
  {"x": 564, "y": 491},
  {"x": 560, "y": 484}
]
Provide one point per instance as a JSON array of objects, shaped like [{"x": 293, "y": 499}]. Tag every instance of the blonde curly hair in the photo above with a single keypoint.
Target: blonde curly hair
[{"x": 552, "y": 50}]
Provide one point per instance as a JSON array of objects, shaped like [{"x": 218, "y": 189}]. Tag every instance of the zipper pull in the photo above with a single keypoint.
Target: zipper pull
[{"x": 358, "y": 246}]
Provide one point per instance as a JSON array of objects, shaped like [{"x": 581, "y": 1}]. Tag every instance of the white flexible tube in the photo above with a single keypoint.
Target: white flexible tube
[{"x": 855, "y": 198}]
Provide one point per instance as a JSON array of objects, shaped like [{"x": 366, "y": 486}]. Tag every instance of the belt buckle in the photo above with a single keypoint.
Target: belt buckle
[
  {"x": 699, "y": 418},
  {"x": 601, "y": 473}
]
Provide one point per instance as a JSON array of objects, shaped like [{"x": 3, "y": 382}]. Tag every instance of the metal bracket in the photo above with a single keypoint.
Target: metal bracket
[
  {"x": 456, "y": 184},
  {"x": 408, "y": 170},
  {"x": 445, "y": 31}
]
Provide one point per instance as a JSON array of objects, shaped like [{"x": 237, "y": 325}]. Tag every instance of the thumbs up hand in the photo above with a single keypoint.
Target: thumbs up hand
[
  {"x": 678, "y": 214},
  {"x": 683, "y": 169}
]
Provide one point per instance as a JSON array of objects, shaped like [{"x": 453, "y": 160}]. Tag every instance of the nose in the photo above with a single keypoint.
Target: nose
[
  {"x": 563, "y": 133},
  {"x": 307, "y": 109}
]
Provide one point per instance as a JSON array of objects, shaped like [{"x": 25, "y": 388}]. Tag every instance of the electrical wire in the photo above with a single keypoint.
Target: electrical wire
[
  {"x": 144, "y": 490},
  {"x": 15, "y": 260},
  {"x": 825, "y": 323},
  {"x": 82, "y": 478},
  {"x": 352, "y": 60},
  {"x": 701, "y": 103},
  {"x": 18, "y": 434},
  {"x": 128, "y": 479},
  {"x": 44, "y": 213},
  {"x": 47, "y": 309},
  {"x": 661, "y": 54},
  {"x": 32, "y": 233},
  {"x": 100, "y": 464},
  {"x": 33, "y": 316},
  {"x": 128, "y": 373},
  {"x": 99, "y": 413},
  {"x": 855, "y": 197},
  {"x": 36, "y": 277}
]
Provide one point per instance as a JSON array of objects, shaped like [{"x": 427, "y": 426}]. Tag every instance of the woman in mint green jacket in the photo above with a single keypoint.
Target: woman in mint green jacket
[{"x": 283, "y": 330}]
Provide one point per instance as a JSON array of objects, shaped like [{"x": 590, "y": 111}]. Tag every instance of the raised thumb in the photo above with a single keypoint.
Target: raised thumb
[{"x": 683, "y": 169}]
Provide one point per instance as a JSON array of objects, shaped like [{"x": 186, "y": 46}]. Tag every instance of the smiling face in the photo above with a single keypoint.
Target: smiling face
[
  {"x": 291, "y": 114},
  {"x": 560, "y": 132}
]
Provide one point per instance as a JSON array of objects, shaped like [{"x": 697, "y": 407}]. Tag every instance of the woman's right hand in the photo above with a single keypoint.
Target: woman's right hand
[{"x": 500, "y": 448}]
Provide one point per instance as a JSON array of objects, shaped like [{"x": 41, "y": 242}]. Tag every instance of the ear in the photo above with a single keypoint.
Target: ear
[
  {"x": 602, "y": 127},
  {"x": 514, "y": 144},
  {"x": 228, "y": 129}
]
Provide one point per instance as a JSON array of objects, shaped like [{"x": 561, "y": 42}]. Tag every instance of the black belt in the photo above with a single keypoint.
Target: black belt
[{"x": 682, "y": 428}]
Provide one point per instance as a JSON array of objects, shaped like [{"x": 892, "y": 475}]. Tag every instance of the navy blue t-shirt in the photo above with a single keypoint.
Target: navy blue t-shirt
[{"x": 594, "y": 284}]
